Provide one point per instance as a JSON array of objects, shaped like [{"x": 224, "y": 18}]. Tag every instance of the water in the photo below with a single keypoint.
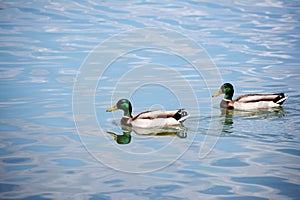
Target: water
[{"x": 241, "y": 155}]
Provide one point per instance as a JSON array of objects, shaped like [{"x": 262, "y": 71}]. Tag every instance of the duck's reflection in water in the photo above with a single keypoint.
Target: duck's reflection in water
[
  {"x": 227, "y": 116},
  {"x": 125, "y": 137}
]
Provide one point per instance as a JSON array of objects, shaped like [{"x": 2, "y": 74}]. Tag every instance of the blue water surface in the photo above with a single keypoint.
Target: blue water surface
[{"x": 244, "y": 155}]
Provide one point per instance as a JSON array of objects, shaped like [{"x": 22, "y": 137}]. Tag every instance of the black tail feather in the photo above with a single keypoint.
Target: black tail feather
[
  {"x": 180, "y": 114},
  {"x": 280, "y": 98}
]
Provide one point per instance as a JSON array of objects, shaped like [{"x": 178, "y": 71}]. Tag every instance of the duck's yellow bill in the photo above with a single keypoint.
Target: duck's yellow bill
[
  {"x": 112, "y": 109},
  {"x": 217, "y": 94}
]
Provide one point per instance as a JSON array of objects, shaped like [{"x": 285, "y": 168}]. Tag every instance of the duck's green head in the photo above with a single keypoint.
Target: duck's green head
[
  {"x": 226, "y": 89},
  {"x": 123, "y": 104}
]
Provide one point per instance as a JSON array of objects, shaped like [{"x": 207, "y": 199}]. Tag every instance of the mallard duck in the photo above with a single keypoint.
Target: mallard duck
[
  {"x": 148, "y": 119},
  {"x": 249, "y": 101}
]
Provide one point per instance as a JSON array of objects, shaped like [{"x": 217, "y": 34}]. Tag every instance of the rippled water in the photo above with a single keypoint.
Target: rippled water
[{"x": 220, "y": 154}]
